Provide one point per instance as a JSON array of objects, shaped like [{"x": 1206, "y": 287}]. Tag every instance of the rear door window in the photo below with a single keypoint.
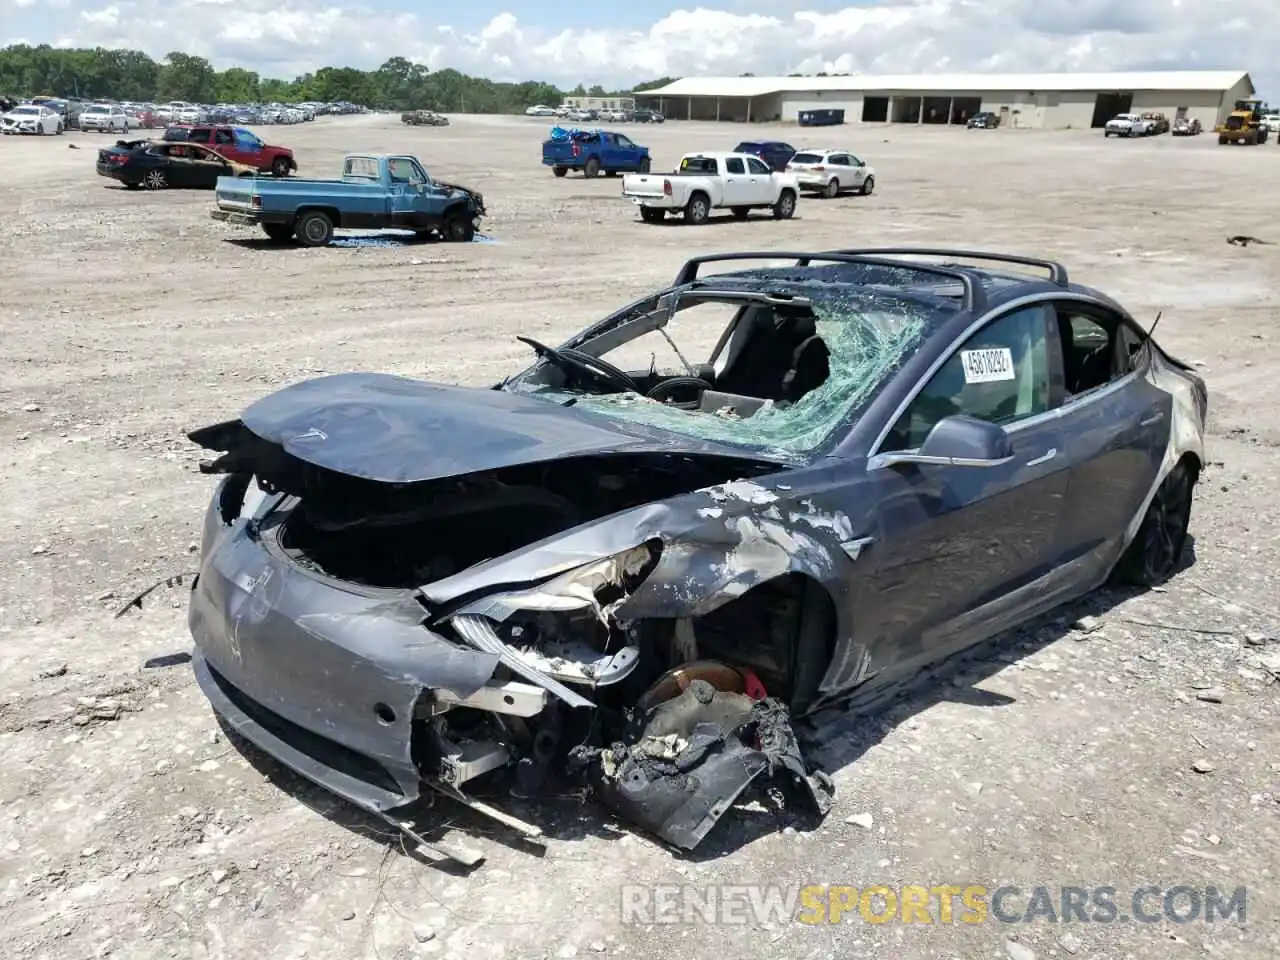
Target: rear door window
[{"x": 757, "y": 166}]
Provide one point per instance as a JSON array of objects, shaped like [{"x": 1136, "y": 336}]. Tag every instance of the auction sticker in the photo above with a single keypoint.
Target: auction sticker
[{"x": 988, "y": 365}]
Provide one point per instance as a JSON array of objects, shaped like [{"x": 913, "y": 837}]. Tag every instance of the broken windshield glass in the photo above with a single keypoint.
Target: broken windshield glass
[{"x": 868, "y": 334}]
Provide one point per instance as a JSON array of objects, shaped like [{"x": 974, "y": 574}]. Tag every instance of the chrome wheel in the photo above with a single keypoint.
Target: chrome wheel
[{"x": 155, "y": 180}]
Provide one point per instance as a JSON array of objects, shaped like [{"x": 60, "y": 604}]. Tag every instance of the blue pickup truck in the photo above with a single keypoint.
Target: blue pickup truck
[
  {"x": 376, "y": 192},
  {"x": 592, "y": 151}
]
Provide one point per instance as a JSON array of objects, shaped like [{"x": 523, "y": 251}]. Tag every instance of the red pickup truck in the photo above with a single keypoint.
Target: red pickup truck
[{"x": 238, "y": 144}]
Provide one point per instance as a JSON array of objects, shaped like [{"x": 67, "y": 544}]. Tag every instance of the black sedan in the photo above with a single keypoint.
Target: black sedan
[
  {"x": 634, "y": 572},
  {"x": 158, "y": 165}
]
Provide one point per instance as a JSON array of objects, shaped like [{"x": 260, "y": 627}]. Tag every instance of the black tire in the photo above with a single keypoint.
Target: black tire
[
  {"x": 278, "y": 232},
  {"x": 697, "y": 210},
  {"x": 740, "y": 213},
  {"x": 785, "y": 208},
  {"x": 280, "y": 167},
  {"x": 868, "y": 185},
  {"x": 1156, "y": 551},
  {"x": 314, "y": 229},
  {"x": 833, "y": 189},
  {"x": 592, "y": 168},
  {"x": 559, "y": 171},
  {"x": 155, "y": 180},
  {"x": 653, "y": 214},
  {"x": 644, "y": 165},
  {"x": 460, "y": 229}
]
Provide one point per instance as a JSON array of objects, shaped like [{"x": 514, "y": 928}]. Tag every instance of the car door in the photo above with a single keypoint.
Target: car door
[
  {"x": 627, "y": 154},
  {"x": 760, "y": 182},
  {"x": 953, "y": 549},
  {"x": 840, "y": 166},
  {"x": 1116, "y": 425},
  {"x": 408, "y": 201},
  {"x": 206, "y": 168},
  {"x": 737, "y": 183},
  {"x": 224, "y": 141},
  {"x": 856, "y": 170},
  {"x": 180, "y": 170}
]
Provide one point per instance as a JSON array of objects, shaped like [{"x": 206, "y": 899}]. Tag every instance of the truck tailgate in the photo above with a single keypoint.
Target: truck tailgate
[
  {"x": 235, "y": 193},
  {"x": 644, "y": 185},
  {"x": 559, "y": 151}
]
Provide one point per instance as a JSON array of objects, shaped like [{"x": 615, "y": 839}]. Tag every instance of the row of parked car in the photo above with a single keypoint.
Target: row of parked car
[
  {"x": 45, "y": 115},
  {"x": 582, "y": 115},
  {"x": 756, "y": 174}
]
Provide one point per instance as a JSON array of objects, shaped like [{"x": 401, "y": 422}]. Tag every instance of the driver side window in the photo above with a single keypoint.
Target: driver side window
[
  {"x": 1000, "y": 374},
  {"x": 758, "y": 167}
]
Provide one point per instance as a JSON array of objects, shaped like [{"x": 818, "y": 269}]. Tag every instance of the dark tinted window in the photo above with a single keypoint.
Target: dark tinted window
[
  {"x": 747, "y": 146},
  {"x": 734, "y": 165},
  {"x": 1000, "y": 374},
  {"x": 757, "y": 166}
]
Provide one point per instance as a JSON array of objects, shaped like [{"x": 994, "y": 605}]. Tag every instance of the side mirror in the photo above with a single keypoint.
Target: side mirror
[{"x": 956, "y": 441}]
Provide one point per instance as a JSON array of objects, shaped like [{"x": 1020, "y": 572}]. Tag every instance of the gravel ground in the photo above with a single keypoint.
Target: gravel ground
[{"x": 1140, "y": 750}]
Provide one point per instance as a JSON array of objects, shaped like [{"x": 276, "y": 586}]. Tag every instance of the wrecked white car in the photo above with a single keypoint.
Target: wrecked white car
[{"x": 637, "y": 578}]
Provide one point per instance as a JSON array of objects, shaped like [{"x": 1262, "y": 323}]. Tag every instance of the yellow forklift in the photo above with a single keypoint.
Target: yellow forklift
[{"x": 1244, "y": 124}]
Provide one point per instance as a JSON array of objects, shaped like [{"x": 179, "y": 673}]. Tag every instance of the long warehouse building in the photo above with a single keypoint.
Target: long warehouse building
[{"x": 1044, "y": 100}]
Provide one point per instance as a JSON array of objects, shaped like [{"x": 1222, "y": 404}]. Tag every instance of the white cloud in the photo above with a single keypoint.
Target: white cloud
[{"x": 290, "y": 37}]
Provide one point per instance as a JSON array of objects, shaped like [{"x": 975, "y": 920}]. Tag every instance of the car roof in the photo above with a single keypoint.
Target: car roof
[{"x": 941, "y": 281}]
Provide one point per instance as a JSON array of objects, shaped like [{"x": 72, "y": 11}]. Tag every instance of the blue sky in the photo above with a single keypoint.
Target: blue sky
[{"x": 619, "y": 44}]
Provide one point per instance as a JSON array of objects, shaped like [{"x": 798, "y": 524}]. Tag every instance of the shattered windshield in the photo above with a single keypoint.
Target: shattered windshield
[{"x": 786, "y": 374}]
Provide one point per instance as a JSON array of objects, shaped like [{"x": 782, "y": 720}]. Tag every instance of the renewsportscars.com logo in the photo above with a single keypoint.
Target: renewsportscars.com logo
[{"x": 971, "y": 903}]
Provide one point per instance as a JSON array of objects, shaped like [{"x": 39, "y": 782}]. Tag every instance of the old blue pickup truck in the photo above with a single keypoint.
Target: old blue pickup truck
[{"x": 376, "y": 192}]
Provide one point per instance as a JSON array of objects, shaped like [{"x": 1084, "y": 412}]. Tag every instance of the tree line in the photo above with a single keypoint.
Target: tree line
[{"x": 399, "y": 84}]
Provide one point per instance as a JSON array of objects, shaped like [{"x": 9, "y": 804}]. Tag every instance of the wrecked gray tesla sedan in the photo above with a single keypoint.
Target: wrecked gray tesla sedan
[{"x": 638, "y": 576}]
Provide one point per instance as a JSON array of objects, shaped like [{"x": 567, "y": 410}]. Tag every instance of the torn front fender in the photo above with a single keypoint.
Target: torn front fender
[{"x": 718, "y": 543}]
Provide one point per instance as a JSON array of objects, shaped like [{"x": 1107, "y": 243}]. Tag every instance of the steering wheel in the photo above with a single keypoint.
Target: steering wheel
[
  {"x": 660, "y": 390},
  {"x": 574, "y": 362}
]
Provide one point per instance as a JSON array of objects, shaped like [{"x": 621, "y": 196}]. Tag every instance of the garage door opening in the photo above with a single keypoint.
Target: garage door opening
[
  {"x": 906, "y": 110},
  {"x": 937, "y": 109},
  {"x": 962, "y": 108},
  {"x": 1108, "y": 105},
  {"x": 875, "y": 110}
]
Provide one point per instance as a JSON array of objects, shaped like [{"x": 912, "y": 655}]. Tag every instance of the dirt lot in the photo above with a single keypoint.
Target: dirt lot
[{"x": 131, "y": 827}]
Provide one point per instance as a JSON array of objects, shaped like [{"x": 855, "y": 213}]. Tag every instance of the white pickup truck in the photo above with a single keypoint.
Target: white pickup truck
[
  {"x": 1127, "y": 125},
  {"x": 709, "y": 181}
]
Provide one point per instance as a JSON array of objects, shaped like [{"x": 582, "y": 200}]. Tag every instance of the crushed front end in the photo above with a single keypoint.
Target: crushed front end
[{"x": 313, "y": 641}]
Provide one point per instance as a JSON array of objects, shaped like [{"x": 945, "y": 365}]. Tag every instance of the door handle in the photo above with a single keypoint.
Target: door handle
[
  {"x": 1153, "y": 419},
  {"x": 1053, "y": 452}
]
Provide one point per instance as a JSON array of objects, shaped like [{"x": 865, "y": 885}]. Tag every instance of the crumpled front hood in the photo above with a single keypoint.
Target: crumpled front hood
[{"x": 393, "y": 429}]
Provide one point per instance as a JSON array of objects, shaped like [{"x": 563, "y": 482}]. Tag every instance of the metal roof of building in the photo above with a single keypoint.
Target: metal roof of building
[{"x": 1179, "y": 80}]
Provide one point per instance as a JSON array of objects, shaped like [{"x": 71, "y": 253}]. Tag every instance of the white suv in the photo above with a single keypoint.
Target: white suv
[
  {"x": 831, "y": 172},
  {"x": 104, "y": 118}
]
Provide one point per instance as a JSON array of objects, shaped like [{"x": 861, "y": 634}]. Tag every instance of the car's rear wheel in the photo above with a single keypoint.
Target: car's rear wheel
[
  {"x": 155, "y": 180},
  {"x": 644, "y": 165},
  {"x": 314, "y": 229},
  {"x": 697, "y": 209},
  {"x": 559, "y": 171},
  {"x": 279, "y": 232},
  {"x": 652, "y": 214},
  {"x": 592, "y": 168},
  {"x": 1154, "y": 555}
]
